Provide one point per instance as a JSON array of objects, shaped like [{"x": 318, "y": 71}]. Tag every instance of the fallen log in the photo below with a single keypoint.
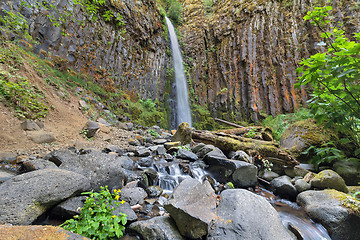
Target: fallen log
[
  {"x": 228, "y": 123},
  {"x": 226, "y": 142},
  {"x": 240, "y": 131}
]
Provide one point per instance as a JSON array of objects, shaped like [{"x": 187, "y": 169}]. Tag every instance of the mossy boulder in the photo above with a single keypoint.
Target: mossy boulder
[
  {"x": 329, "y": 179},
  {"x": 349, "y": 170},
  {"x": 303, "y": 134}
]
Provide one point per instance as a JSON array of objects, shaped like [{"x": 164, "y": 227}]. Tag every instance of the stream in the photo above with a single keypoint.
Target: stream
[{"x": 292, "y": 215}]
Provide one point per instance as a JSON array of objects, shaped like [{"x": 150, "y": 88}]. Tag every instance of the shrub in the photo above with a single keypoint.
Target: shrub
[{"x": 97, "y": 219}]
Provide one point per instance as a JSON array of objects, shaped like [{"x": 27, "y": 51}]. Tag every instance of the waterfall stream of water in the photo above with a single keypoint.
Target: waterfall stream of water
[{"x": 182, "y": 97}]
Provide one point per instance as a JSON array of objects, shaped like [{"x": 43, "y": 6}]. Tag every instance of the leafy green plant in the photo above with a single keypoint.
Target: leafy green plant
[
  {"x": 97, "y": 219},
  {"x": 327, "y": 153},
  {"x": 16, "y": 23},
  {"x": 185, "y": 148},
  {"x": 334, "y": 77},
  {"x": 153, "y": 133},
  {"x": 22, "y": 96},
  {"x": 251, "y": 133}
]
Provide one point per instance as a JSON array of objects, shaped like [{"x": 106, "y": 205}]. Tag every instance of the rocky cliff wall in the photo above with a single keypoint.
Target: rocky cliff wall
[
  {"x": 242, "y": 55},
  {"x": 131, "y": 57}
]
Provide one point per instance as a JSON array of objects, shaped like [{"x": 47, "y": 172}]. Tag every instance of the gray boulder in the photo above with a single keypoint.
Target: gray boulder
[
  {"x": 4, "y": 175},
  {"x": 91, "y": 128},
  {"x": 37, "y": 164},
  {"x": 269, "y": 175},
  {"x": 283, "y": 187},
  {"x": 30, "y": 125},
  {"x": 241, "y": 156},
  {"x": 326, "y": 208},
  {"x": 205, "y": 150},
  {"x": 192, "y": 205},
  {"x": 159, "y": 141},
  {"x": 329, "y": 179},
  {"x": 159, "y": 228},
  {"x": 133, "y": 196},
  {"x": 42, "y": 136},
  {"x": 100, "y": 168},
  {"x": 142, "y": 152},
  {"x": 126, "y": 209},
  {"x": 25, "y": 197},
  {"x": 197, "y": 147},
  {"x": 245, "y": 175},
  {"x": 349, "y": 171},
  {"x": 301, "y": 185},
  {"x": 245, "y": 215},
  {"x": 187, "y": 155},
  {"x": 69, "y": 207}
]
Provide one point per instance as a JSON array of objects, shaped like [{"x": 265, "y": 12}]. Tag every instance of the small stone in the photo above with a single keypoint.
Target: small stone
[
  {"x": 187, "y": 155},
  {"x": 30, "y": 125},
  {"x": 143, "y": 152},
  {"x": 91, "y": 128},
  {"x": 83, "y": 105},
  {"x": 159, "y": 141},
  {"x": 301, "y": 185},
  {"x": 42, "y": 137}
]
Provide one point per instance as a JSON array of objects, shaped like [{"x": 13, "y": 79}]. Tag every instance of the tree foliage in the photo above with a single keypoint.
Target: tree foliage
[{"x": 333, "y": 76}]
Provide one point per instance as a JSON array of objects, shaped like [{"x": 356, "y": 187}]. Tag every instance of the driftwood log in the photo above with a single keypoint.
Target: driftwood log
[{"x": 269, "y": 150}]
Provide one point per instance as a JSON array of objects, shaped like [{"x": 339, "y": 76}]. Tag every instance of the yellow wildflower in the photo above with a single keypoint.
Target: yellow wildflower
[
  {"x": 122, "y": 202},
  {"x": 113, "y": 216},
  {"x": 117, "y": 197}
]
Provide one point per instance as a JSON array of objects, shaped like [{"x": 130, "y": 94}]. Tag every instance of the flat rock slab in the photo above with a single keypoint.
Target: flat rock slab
[
  {"x": 159, "y": 228},
  {"x": 41, "y": 137},
  {"x": 192, "y": 205},
  {"x": 245, "y": 215},
  {"x": 37, "y": 232},
  {"x": 25, "y": 197}
]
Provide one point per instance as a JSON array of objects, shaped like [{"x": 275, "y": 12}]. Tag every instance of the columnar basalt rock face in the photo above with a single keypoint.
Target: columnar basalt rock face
[
  {"x": 243, "y": 54},
  {"x": 133, "y": 60}
]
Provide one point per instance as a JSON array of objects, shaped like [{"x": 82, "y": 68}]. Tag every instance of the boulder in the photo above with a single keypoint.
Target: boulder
[
  {"x": 100, "y": 168},
  {"x": 126, "y": 209},
  {"x": 69, "y": 207},
  {"x": 160, "y": 228},
  {"x": 160, "y": 141},
  {"x": 192, "y": 205},
  {"x": 37, "y": 164},
  {"x": 133, "y": 195},
  {"x": 29, "y": 125},
  {"x": 154, "y": 191},
  {"x": 142, "y": 152},
  {"x": 31, "y": 232},
  {"x": 241, "y": 156},
  {"x": 283, "y": 187},
  {"x": 25, "y": 197},
  {"x": 41, "y": 136},
  {"x": 145, "y": 162},
  {"x": 183, "y": 134},
  {"x": 4, "y": 175},
  {"x": 349, "y": 171},
  {"x": 326, "y": 208},
  {"x": 187, "y": 155},
  {"x": 128, "y": 126},
  {"x": 91, "y": 128},
  {"x": 301, "y": 185},
  {"x": 269, "y": 175},
  {"x": 245, "y": 175},
  {"x": 8, "y": 157},
  {"x": 170, "y": 145},
  {"x": 303, "y": 134},
  {"x": 329, "y": 179},
  {"x": 205, "y": 150},
  {"x": 197, "y": 147},
  {"x": 245, "y": 215}
]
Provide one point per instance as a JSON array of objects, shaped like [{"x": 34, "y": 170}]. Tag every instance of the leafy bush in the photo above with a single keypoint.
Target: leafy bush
[
  {"x": 97, "y": 219},
  {"x": 334, "y": 78}
]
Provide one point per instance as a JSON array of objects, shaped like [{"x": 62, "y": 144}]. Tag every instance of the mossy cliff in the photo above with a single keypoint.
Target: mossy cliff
[{"x": 243, "y": 54}]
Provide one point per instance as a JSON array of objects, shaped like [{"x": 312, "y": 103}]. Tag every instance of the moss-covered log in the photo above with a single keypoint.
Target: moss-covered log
[{"x": 226, "y": 142}]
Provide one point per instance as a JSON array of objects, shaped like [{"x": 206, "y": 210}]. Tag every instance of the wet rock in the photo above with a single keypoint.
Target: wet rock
[
  {"x": 126, "y": 209},
  {"x": 8, "y": 232},
  {"x": 69, "y": 208},
  {"x": 296, "y": 171},
  {"x": 37, "y": 164},
  {"x": 160, "y": 228},
  {"x": 301, "y": 185},
  {"x": 4, "y": 176},
  {"x": 41, "y": 136},
  {"x": 154, "y": 191},
  {"x": 197, "y": 147},
  {"x": 125, "y": 162},
  {"x": 245, "y": 175},
  {"x": 241, "y": 156},
  {"x": 269, "y": 175},
  {"x": 283, "y": 187},
  {"x": 158, "y": 150},
  {"x": 183, "y": 134},
  {"x": 100, "y": 168},
  {"x": 133, "y": 195},
  {"x": 30, "y": 125},
  {"x": 142, "y": 152},
  {"x": 329, "y": 179},
  {"x": 187, "y": 155},
  {"x": 25, "y": 197},
  {"x": 205, "y": 150},
  {"x": 349, "y": 171},
  {"x": 192, "y": 205},
  {"x": 241, "y": 215},
  {"x": 145, "y": 162},
  {"x": 326, "y": 208},
  {"x": 91, "y": 128}
]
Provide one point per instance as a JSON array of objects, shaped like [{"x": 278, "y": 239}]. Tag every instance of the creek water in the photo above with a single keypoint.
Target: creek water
[
  {"x": 292, "y": 215},
  {"x": 182, "y": 98}
]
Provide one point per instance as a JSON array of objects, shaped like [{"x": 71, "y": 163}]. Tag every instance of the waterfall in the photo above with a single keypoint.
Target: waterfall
[{"x": 182, "y": 98}]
